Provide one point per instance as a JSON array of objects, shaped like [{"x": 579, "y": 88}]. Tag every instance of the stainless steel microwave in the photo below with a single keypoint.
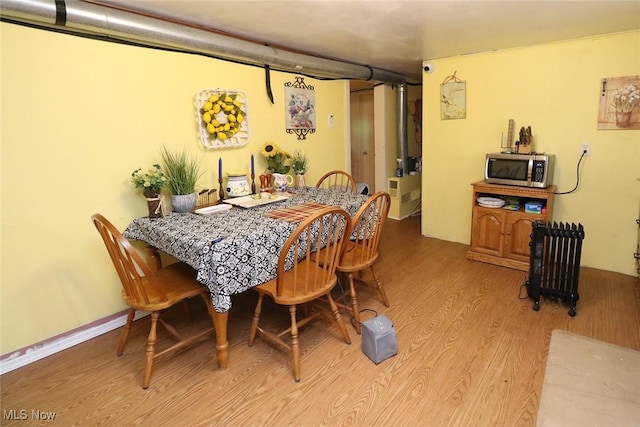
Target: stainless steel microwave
[{"x": 524, "y": 170}]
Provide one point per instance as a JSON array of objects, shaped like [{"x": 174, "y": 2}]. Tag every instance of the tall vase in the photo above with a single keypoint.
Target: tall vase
[
  {"x": 184, "y": 202},
  {"x": 281, "y": 182},
  {"x": 299, "y": 181},
  {"x": 154, "y": 203}
]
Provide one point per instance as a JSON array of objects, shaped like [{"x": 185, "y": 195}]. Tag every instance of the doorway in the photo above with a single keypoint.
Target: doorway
[{"x": 362, "y": 133}]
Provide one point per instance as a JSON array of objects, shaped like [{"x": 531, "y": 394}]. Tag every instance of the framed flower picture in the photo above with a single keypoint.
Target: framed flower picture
[
  {"x": 300, "y": 104},
  {"x": 619, "y": 103}
]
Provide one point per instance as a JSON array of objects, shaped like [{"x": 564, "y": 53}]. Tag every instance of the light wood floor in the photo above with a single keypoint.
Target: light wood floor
[{"x": 471, "y": 353}]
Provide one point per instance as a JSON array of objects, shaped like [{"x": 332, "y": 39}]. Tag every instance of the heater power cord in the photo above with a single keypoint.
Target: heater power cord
[{"x": 347, "y": 300}]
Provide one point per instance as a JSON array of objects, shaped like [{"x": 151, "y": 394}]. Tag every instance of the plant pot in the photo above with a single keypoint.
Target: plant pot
[
  {"x": 623, "y": 120},
  {"x": 299, "y": 181},
  {"x": 154, "y": 203},
  {"x": 184, "y": 202}
]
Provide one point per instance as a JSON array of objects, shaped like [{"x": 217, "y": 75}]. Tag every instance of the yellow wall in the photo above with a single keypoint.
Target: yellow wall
[
  {"x": 554, "y": 88},
  {"x": 78, "y": 116}
]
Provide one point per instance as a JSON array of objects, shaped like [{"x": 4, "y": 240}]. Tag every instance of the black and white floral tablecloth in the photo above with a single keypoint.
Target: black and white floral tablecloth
[{"x": 233, "y": 250}]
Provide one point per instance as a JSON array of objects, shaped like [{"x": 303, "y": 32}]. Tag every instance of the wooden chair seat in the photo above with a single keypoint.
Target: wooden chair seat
[
  {"x": 154, "y": 291},
  {"x": 355, "y": 258},
  {"x": 306, "y": 281},
  {"x": 174, "y": 283},
  {"x": 288, "y": 294}
]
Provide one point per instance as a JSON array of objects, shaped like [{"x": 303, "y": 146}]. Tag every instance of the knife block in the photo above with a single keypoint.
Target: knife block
[{"x": 524, "y": 148}]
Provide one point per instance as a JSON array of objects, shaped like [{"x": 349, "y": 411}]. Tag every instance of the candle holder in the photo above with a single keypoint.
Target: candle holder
[
  {"x": 253, "y": 183},
  {"x": 221, "y": 191}
]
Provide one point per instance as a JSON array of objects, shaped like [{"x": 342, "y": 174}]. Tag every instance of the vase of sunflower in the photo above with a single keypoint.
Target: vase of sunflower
[{"x": 279, "y": 165}]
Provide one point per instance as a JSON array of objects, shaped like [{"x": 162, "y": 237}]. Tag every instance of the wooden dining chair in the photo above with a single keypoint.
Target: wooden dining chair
[
  {"x": 301, "y": 280},
  {"x": 338, "y": 180},
  {"x": 148, "y": 290},
  {"x": 362, "y": 252}
]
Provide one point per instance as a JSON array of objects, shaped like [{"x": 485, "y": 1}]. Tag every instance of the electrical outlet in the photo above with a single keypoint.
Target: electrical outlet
[{"x": 585, "y": 148}]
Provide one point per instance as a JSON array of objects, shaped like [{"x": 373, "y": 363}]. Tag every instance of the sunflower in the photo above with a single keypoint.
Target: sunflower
[
  {"x": 269, "y": 149},
  {"x": 277, "y": 159}
]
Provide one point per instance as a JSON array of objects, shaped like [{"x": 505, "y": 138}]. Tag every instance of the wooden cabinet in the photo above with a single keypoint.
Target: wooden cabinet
[{"x": 500, "y": 236}]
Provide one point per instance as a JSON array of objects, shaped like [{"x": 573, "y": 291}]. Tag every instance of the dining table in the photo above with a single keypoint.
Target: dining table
[{"x": 234, "y": 249}]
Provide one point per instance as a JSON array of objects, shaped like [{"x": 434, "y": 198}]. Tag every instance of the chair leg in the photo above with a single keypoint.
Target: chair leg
[
  {"x": 381, "y": 291},
  {"x": 355, "y": 308},
  {"x": 295, "y": 343},
  {"x": 150, "y": 349},
  {"x": 125, "y": 331},
  {"x": 256, "y": 318},
  {"x": 336, "y": 315}
]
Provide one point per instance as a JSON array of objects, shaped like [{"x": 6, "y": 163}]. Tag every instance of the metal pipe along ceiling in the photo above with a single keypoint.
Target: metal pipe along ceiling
[
  {"x": 92, "y": 19},
  {"x": 87, "y": 18}
]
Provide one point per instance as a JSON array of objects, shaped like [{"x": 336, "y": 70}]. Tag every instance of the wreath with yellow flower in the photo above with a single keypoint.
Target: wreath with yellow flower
[{"x": 222, "y": 118}]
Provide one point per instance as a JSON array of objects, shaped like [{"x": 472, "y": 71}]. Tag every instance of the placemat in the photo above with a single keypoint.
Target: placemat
[{"x": 295, "y": 213}]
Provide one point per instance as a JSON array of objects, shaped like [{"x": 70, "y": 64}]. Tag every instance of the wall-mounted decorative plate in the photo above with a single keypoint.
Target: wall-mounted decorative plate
[{"x": 222, "y": 118}]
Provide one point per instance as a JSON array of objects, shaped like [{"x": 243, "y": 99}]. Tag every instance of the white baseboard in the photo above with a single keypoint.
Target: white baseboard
[{"x": 27, "y": 355}]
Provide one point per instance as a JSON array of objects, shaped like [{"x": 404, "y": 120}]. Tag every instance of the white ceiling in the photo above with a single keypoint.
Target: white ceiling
[{"x": 398, "y": 35}]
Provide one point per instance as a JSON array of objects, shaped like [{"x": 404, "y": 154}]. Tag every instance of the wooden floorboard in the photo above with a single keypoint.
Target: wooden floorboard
[{"x": 471, "y": 352}]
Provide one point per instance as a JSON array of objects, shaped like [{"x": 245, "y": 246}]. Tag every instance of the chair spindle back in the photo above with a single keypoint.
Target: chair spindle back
[
  {"x": 338, "y": 181},
  {"x": 326, "y": 229},
  {"x": 367, "y": 229},
  {"x": 138, "y": 280}
]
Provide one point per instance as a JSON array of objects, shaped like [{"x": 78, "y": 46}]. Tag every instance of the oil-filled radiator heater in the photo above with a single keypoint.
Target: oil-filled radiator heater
[{"x": 554, "y": 266}]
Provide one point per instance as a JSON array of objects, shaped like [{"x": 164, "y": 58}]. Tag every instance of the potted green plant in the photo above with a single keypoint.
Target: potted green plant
[
  {"x": 182, "y": 172},
  {"x": 300, "y": 166},
  {"x": 151, "y": 182}
]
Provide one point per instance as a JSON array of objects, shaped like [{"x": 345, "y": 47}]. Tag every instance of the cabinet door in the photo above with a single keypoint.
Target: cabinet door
[
  {"x": 487, "y": 230},
  {"x": 518, "y": 235}
]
